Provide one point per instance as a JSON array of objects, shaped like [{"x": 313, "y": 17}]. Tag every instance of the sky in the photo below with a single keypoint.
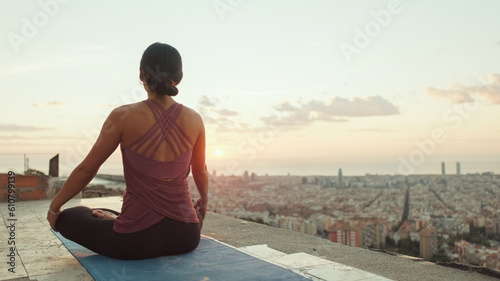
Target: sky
[{"x": 285, "y": 86}]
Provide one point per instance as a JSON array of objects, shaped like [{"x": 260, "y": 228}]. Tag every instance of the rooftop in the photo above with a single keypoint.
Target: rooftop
[{"x": 41, "y": 255}]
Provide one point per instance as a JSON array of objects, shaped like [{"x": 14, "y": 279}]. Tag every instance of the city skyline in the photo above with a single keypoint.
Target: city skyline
[
  {"x": 387, "y": 87},
  {"x": 41, "y": 164}
]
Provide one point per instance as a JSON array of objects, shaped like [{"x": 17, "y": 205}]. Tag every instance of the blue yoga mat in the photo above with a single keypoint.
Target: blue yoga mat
[{"x": 212, "y": 260}]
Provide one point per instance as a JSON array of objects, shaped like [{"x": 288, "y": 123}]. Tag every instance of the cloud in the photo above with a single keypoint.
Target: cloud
[
  {"x": 224, "y": 124},
  {"x": 55, "y": 103},
  {"x": 36, "y": 138},
  {"x": 50, "y": 104},
  {"x": 227, "y": 112},
  {"x": 357, "y": 107},
  {"x": 290, "y": 115},
  {"x": 286, "y": 106},
  {"x": 377, "y": 130},
  {"x": 102, "y": 105},
  {"x": 336, "y": 110},
  {"x": 489, "y": 90},
  {"x": 458, "y": 93},
  {"x": 20, "y": 128},
  {"x": 205, "y": 101},
  {"x": 220, "y": 119}
]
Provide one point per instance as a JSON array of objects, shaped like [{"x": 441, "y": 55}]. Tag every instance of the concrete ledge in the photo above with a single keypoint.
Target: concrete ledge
[{"x": 240, "y": 233}]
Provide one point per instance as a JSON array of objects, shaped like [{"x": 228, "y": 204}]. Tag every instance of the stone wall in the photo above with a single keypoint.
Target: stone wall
[
  {"x": 27, "y": 187},
  {"x": 35, "y": 187}
]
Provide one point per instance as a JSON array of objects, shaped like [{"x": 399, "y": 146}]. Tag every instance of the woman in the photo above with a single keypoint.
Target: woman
[{"x": 160, "y": 140}]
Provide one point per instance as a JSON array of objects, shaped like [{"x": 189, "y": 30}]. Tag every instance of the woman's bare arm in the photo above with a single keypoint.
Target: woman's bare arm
[
  {"x": 105, "y": 145},
  {"x": 199, "y": 170}
]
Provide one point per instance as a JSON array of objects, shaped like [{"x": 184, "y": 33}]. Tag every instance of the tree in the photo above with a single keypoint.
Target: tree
[{"x": 408, "y": 247}]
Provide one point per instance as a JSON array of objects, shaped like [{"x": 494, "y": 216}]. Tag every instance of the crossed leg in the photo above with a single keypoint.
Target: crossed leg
[{"x": 84, "y": 226}]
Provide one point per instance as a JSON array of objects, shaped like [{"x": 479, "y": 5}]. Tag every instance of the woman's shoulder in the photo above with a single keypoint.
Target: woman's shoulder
[
  {"x": 191, "y": 112},
  {"x": 131, "y": 107},
  {"x": 127, "y": 111},
  {"x": 190, "y": 117}
]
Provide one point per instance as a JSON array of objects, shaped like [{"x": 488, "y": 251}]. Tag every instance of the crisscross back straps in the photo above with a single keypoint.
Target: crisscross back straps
[{"x": 165, "y": 129}]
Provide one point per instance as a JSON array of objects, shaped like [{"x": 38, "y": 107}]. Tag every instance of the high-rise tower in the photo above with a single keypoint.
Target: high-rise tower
[
  {"x": 341, "y": 179},
  {"x": 458, "y": 168},
  {"x": 443, "y": 171}
]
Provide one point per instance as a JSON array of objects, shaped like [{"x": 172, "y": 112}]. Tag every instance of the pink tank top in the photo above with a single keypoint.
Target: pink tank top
[{"x": 157, "y": 189}]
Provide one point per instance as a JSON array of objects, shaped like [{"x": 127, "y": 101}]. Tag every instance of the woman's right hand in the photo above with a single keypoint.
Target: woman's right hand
[
  {"x": 201, "y": 206},
  {"x": 52, "y": 218}
]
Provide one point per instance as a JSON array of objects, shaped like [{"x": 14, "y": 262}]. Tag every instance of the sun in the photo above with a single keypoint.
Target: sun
[{"x": 218, "y": 152}]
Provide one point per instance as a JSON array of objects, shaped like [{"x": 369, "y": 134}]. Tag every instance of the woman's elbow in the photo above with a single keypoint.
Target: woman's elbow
[
  {"x": 199, "y": 168},
  {"x": 85, "y": 171},
  {"x": 200, "y": 172}
]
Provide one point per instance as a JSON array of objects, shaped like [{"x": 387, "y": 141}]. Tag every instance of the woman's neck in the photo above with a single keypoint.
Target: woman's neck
[{"x": 161, "y": 99}]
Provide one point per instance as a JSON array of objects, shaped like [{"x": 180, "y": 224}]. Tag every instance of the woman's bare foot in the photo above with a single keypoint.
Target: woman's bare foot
[{"x": 103, "y": 214}]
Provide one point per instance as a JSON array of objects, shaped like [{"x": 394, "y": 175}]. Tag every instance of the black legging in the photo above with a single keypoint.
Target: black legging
[{"x": 167, "y": 237}]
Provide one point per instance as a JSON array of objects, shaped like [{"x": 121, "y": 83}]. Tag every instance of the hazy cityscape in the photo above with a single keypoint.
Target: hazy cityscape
[
  {"x": 441, "y": 217},
  {"x": 446, "y": 217},
  {"x": 450, "y": 217}
]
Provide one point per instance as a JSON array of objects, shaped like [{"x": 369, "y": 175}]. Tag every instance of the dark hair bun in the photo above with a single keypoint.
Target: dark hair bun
[
  {"x": 162, "y": 84},
  {"x": 161, "y": 69}
]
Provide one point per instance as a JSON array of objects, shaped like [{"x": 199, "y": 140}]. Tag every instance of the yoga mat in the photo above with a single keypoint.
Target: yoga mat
[{"x": 211, "y": 260}]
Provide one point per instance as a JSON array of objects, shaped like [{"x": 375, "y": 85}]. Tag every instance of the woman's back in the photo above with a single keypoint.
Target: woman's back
[
  {"x": 138, "y": 119},
  {"x": 157, "y": 148}
]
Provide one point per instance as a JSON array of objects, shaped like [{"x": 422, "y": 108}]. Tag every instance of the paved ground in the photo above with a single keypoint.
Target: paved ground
[{"x": 40, "y": 255}]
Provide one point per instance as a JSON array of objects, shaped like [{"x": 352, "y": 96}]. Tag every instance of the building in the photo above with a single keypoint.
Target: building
[
  {"x": 343, "y": 233},
  {"x": 325, "y": 181},
  {"x": 310, "y": 227},
  {"x": 493, "y": 261},
  {"x": 461, "y": 250},
  {"x": 428, "y": 242},
  {"x": 404, "y": 231},
  {"x": 493, "y": 226},
  {"x": 443, "y": 170},
  {"x": 374, "y": 233},
  {"x": 458, "y": 168},
  {"x": 341, "y": 179},
  {"x": 359, "y": 232},
  {"x": 54, "y": 166}
]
